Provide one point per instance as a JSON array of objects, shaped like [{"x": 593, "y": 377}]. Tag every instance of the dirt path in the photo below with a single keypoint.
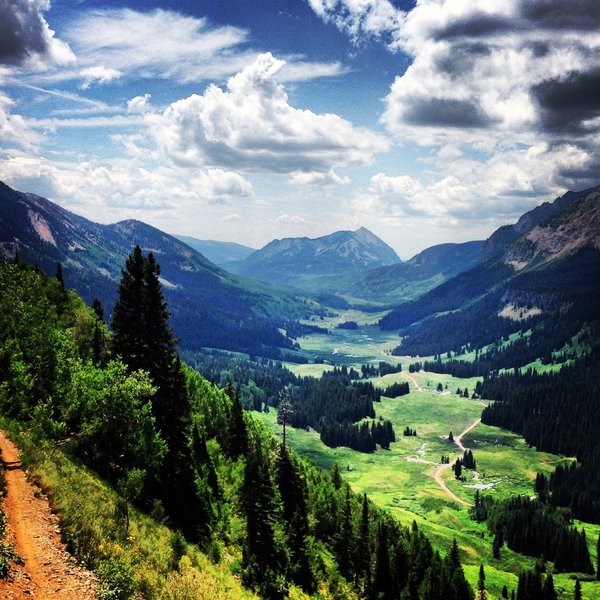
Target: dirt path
[
  {"x": 48, "y": 571},
  {"x": 441, "y": 468},
  {"x": 413, "y": 380}
]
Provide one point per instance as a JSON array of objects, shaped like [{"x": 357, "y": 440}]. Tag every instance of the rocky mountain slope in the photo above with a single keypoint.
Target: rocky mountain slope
[
  {"x": 219, "y": 253},
  {"x": 302, "y": 262},
  {"x": 210, "y": 306},
  {"x": 552, "y": 268}
]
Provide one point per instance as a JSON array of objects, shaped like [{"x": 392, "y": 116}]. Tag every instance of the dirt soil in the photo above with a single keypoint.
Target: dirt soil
[{"x": 48, "y": 570}]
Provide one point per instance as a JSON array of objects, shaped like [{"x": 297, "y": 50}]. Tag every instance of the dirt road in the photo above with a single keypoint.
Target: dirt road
[
  {"x": 48, "y": 571},
  {"x": 441, "y": 468}
]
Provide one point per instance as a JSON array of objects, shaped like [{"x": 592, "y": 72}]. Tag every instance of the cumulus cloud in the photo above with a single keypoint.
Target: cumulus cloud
[
  {"x": 25, "y": 36},
  {"x": 98, "y": 75},
  {"x": 362, "y": 19},
  {"x": 251, "y": 125},
  {"x": 318, "y": 178},
  {"x": 13, "y": 127},
  {"x": 287, "y": 219},
  {"x": 139, "y": 104}
]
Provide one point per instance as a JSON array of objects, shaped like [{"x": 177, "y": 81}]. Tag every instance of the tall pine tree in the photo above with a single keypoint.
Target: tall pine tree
[{"x": 143, "y": 339}]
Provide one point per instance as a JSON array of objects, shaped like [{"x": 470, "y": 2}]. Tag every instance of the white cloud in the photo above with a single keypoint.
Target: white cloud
[
  {"x": 220, "y": 184},
  {"x": 318, "y": 178},
  {"x": 287, "y": 219},
  {"x": 159, "y": 43},
  {"x": 231, "y": 218},
  {"x": 14, "y": 128},
  {"x": 252, "y": 126},
  {"x": 362, "y": 19},
  {"x": 139, "y": 104},
  {"x": 99, "y": 75}
]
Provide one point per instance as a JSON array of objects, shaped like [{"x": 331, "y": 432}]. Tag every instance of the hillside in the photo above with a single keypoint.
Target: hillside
[
  {"x": 210, "y": 306},
  {"x": 546, "y": 275},
  {"x": 219, "y": 253},
  {"x": 410, "y": 279},
  {"x": 308, "y": 263}
]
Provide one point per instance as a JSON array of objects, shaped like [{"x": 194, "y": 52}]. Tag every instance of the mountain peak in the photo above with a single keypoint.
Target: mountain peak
[{"x": 291, "y": 260}]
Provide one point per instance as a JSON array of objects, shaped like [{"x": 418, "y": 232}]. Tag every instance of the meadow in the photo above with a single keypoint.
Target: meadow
[{"x": 401, "y": 479}]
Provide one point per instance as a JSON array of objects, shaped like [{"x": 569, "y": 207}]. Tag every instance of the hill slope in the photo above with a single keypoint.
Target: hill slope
[
  {"x": 220, "y": 253},
  {"x": 210, "y": 306},
  {"x": 549, "y": 275},
  {"x": 408, "y": 280},
  {"x": 304, "y": 262}
]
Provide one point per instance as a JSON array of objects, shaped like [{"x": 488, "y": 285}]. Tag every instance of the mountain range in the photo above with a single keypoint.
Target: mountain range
[
  {"x": 311, "y": 263},
  {"x": 544, "y": 270},
  {"x": 210, "y": 307}
]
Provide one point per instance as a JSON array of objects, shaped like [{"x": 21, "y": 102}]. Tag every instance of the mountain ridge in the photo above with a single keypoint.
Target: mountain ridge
[{"x": 236, "y": 314}]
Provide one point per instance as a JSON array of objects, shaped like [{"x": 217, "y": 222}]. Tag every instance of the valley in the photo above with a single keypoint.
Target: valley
[{"x": 406, "y": 478}]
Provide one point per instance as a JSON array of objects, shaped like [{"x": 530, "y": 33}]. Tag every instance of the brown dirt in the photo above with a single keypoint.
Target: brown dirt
[
  {"x": 442, "y": 468},
  {"x": 48, "y": 570}
]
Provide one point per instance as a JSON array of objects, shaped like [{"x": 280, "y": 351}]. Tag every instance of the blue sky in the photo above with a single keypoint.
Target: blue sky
[{"x": 427, "y": 122}]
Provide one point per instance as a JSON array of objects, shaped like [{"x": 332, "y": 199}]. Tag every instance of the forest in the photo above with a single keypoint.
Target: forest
[{"x": 126, "y": 406}]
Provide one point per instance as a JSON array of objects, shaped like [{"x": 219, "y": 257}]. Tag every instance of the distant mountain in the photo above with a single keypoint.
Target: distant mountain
[
  {"x": 550, "y": 273},
  {"x": 410, "y": 279},
  {"x": 307, "y": 262},
  {"x": 220, "y": 253},
  {"x": 210, "y": 307}
]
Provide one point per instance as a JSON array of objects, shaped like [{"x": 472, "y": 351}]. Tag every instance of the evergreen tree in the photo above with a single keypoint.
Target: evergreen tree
[
  {"x": 362, "y": 559},
  {"x": 144, "y": 340},
  {"x": 598, "y": 558},
  {"x": 128, "y": 318},
  {"x": 261, "y": 558},
  {"x": 237, "y": 435},
  {"x": 481, "y": 595},
  {"x": 345, "y": 541},
  {"x": 549, "y": 591},
  {"x": 382, "y": 579},
  {"x": 577, "y": 591},
  {"x": 60, "y": 277},
  {"x": 336, "y": 478},
  {"x": 504, "y": 591},
  {"x": 292, "y": 490}
]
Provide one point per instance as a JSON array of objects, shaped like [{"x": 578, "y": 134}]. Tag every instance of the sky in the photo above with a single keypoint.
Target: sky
[{"x": 245, "y": 121}]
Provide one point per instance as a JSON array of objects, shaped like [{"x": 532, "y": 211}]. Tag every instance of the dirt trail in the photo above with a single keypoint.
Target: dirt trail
[
  {"x": 440, "y": 470},
  {"x": 48, "y": 571},
  {"x": 413, "y": 380}
]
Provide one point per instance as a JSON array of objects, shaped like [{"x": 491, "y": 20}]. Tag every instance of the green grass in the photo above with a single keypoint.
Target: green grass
[{"x": 409, "y": 491}]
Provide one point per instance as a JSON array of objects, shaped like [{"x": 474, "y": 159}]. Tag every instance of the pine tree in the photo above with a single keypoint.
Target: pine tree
[
  {"x": 577, "y": 591},
  {"x": 237, "y": 434},
  {"x": 549, "y": 591},
  {"x": 292, "y": 490},
  {"x": 143, "y": 339},
  {"x": 336, "y": 478},
  {"x": 598, "y": 558},
  {"x": 345, "y": 541},
  {"x": 128, "y": 318},
  {"x": 362, "y": 559},
  {"x": 481, "y": 595},
  {"x": 382, "y": 579},
  {"x": 59, "y": 276}
]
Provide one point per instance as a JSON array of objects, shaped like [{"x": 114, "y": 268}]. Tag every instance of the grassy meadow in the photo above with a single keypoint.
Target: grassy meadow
[{"x": 401, "y": 479}]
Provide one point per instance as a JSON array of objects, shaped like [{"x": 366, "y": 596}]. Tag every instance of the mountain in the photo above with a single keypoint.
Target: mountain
[
  {"x": 220, "y": 253},
  {"x": 307, "y": 262},
  {"x": 210, "y": 307},
  {"x": 410, "y": 279},
  {"x": 549, "y": 276}
]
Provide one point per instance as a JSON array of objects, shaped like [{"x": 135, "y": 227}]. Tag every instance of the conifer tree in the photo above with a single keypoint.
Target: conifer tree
[
  {"x": 128, "y": 313},
  {"x": 143, "y": 339},
  {"x": 481, "y": 595},
  {"x": 549, "y": 591},
  {"x": 345, "y": 541},
  {"x": 237, "y": 434},
  {"x": 60, "y": 277},
  {"x": 577, "y": 591},
  {"x": 598, "y": 558},
  {"x": 382, "y": 579},
  {"x": 292, "y": 490},
  {"x": 363, "y": 549}
]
